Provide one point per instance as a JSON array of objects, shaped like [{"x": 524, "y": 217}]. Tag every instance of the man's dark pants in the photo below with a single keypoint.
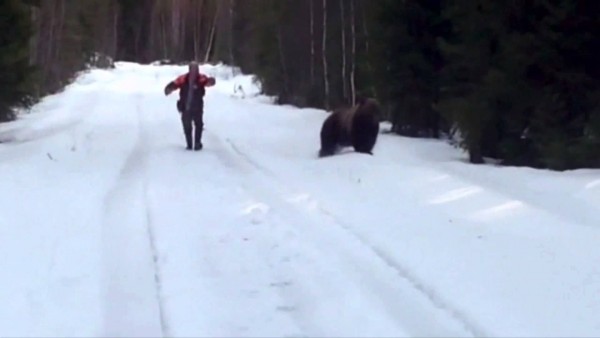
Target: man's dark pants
[{"x": 187, "y": 119}]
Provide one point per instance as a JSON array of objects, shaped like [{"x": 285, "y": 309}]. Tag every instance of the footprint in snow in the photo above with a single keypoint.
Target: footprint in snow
[
  {"x": 257, "y": 212},
  {"x": 280, "y": 284},
  {"x": 251, "y": 293},
  {"x": 304, "y": 199},
  {"x": 286, "y": 308}
]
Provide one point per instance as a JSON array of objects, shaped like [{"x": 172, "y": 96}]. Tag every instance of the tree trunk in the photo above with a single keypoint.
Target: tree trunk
[
  {"x": 367, "y": 49},
  {"x": 475, "y": 155},
  {"x": 57, "y": 67},
  {"x": 231, "y": 31},
  {"x": 33, "y": 15},
  {"x": 47, "y": 59},
  {"x": 211, "y": 37},
  {"x": 196, "y": 32},
  {"x": 343, "y": 21},
  {"x": 175, "y": 25},
  {"x": 115, "y": 42},
  {"x": 198, "y": 28},
  {"x": 312, "y": 42},
  {"x": 165, "y": 46},
  {"x": 286, "y": 87},
  {"x": 353, "y": 71},
  {"x": 324, "y": 55},
  {"x": 182, "y": 27}
]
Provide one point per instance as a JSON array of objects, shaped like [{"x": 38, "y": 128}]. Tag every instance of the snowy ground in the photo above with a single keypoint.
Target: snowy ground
[{"x": 108, "y": 227}]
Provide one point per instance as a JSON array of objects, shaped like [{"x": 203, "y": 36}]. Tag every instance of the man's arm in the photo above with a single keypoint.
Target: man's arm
[
  {"x": 206, "y": 81},
  {"x": 175, "y": 84}
]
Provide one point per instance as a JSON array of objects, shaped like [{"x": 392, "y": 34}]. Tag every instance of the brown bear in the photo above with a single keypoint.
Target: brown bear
[{"x": 356, "y": 126}]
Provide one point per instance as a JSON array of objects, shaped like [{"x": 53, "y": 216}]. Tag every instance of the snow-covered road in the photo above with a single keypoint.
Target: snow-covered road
[{"x": 108, "y": 227}]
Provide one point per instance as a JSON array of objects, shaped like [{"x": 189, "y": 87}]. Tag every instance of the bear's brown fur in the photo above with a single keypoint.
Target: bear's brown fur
[{"x": 356, "y": 126}]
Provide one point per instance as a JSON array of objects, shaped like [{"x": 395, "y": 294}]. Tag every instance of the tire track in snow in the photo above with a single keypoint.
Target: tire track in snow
[
  {"x": 230, "y": 153},
  {"x": 212, "y": 240},
  {"x": 143, "y": 142},
  {"x": 155, "y": 259},
  {"x": 579, "y": 211},
  {"x": 134, "y": 306},
  {"x": 469, "y": 325}
]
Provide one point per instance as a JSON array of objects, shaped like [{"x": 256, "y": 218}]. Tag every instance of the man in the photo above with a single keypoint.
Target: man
[{"x": 191, "y": 102}]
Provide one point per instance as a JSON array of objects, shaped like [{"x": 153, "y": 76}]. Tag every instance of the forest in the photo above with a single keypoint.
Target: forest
[{"x": 517, "y": 82}]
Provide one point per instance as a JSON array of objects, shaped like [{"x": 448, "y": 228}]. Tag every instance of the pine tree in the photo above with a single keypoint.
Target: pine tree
[
  {"x": 267, "y": 39},
  {"x": 564, "y": 76},
  {"x": 521, "y": 82},
  {"x": 472, "y": 75},
  {"x": 16, "y": 73},
  {"x": 406, "y": 36}
]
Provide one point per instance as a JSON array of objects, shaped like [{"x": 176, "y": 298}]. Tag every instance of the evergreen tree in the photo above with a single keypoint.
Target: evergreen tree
[
  {"x": 406, "y": 36},
  {"x": 565, "y": 80},
  {"x": 517, "y": 80},
  {"x": 278, "y": 49},
  {"x": 16, "y": 73},
  {"x": 472, "y": 75},
  {"x": 133, "y": 28},
  {"x": 267, "y": 37}
]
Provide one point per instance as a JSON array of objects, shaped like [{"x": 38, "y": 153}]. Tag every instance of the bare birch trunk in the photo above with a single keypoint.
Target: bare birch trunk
[{"x": 211, "y": 38}]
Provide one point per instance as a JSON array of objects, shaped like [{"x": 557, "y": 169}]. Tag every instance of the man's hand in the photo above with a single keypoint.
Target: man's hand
[
  {"x": 169, "y": 88},
  {"x": 210, "y": 81}
]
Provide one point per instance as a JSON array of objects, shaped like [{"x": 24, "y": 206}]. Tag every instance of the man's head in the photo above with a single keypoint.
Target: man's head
[{"x": 193, "y": 68}]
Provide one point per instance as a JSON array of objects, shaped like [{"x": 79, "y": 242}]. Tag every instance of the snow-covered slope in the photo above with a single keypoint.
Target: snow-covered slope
[{"x": 109, "y": 227}]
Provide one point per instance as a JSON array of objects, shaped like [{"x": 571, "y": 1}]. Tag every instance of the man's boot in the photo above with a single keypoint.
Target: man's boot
[
  {"x": 198, "y": 138},
  {"x": 188, "y": 137},
  {"x": 186, "y": 122},
  {"x": 188, "y": 140}
]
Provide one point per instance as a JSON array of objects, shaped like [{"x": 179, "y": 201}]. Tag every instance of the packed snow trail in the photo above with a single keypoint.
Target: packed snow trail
[{"x": 110, "y": 228}]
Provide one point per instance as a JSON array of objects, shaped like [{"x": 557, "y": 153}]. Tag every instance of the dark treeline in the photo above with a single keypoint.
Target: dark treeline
[{"x": 516, "y": 81}]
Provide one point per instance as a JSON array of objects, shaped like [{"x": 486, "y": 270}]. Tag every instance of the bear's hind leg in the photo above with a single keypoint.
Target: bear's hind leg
[
  {"x": 364, "y": 140},
  {"x": 328, "y": 146},
  {"x": 329, "y": 138}
]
